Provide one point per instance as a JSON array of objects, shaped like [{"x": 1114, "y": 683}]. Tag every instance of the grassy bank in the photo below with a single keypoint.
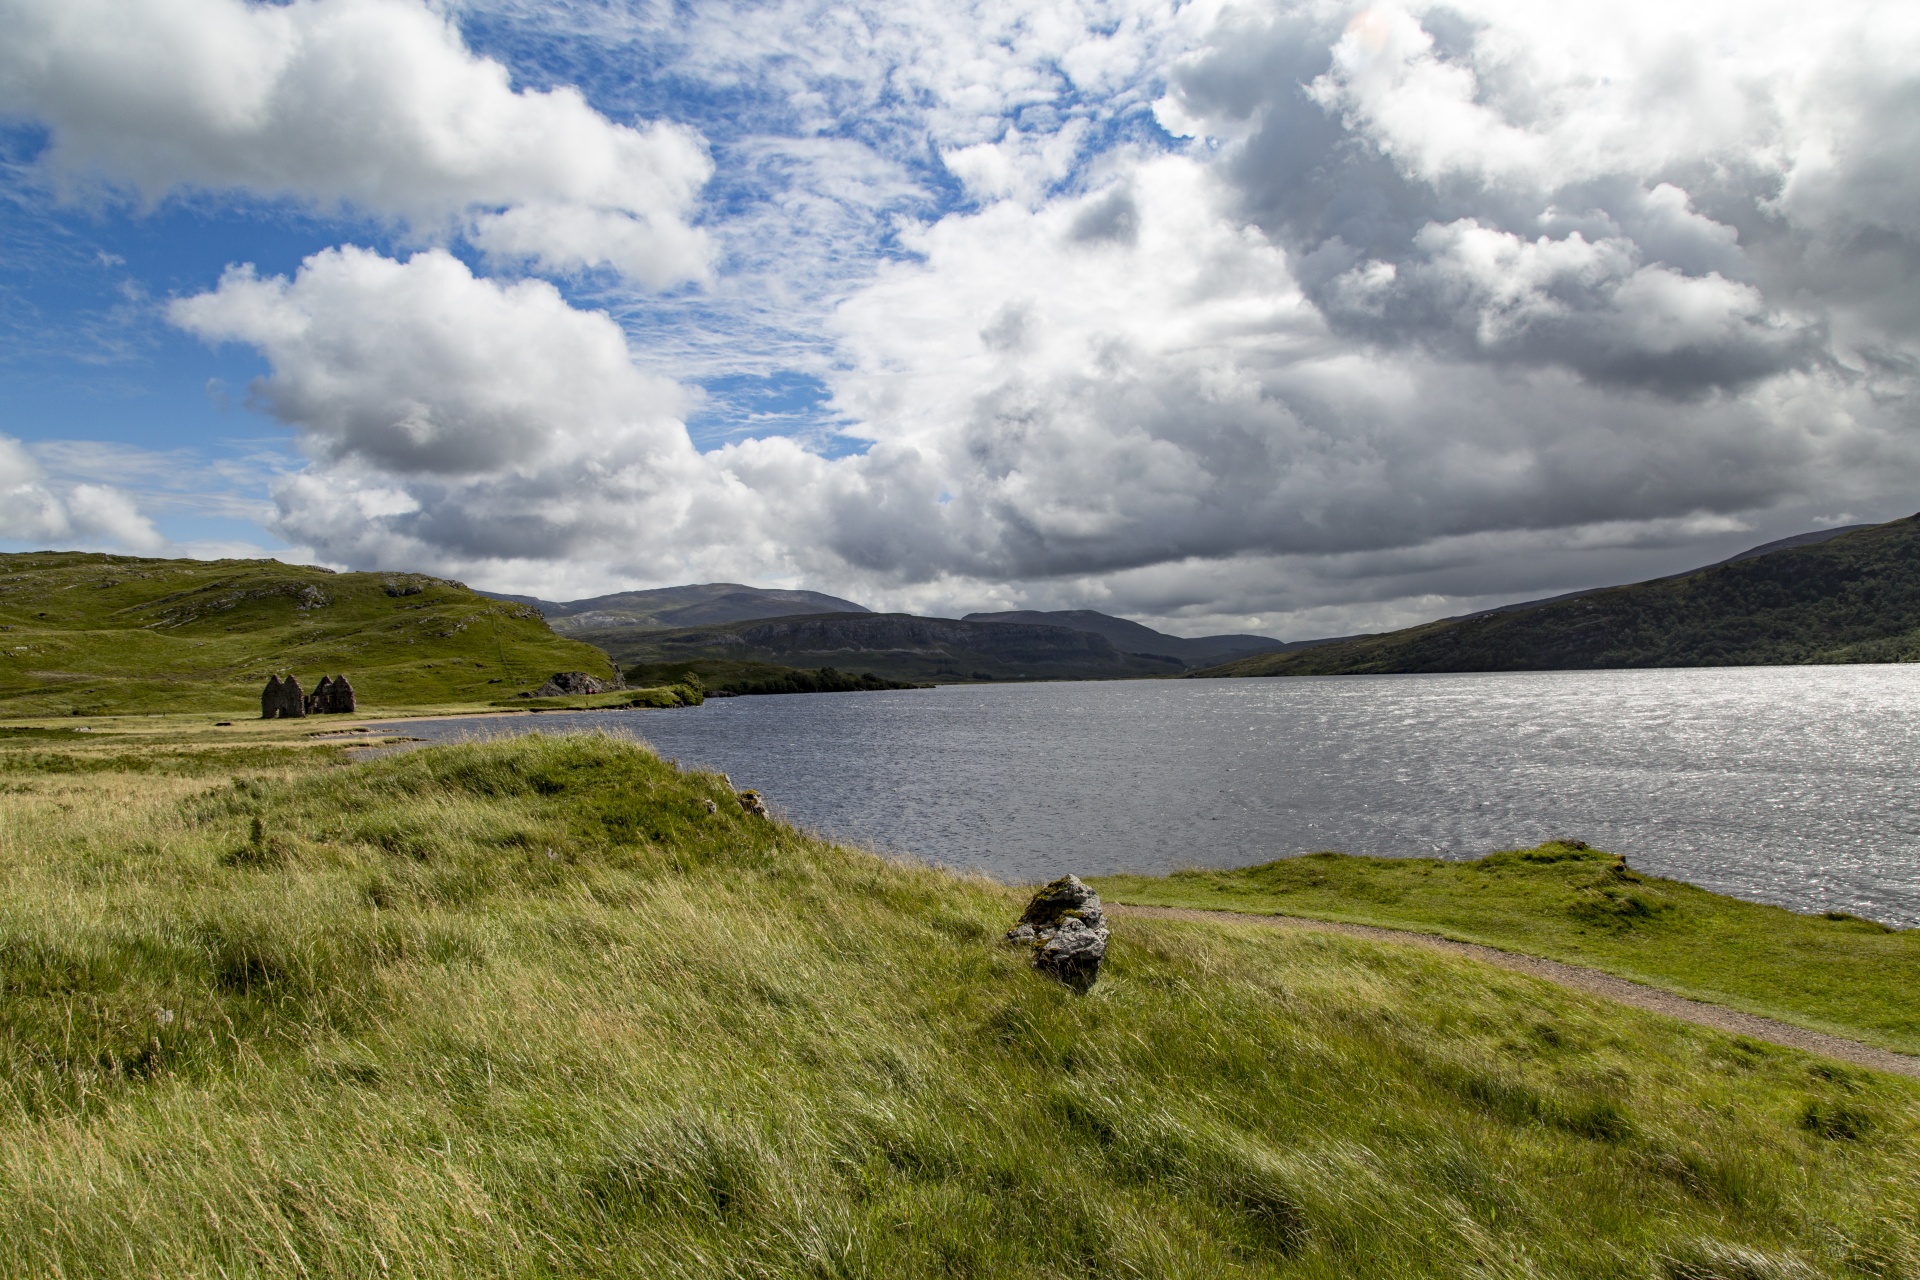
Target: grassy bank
[
  {"x": 549, "y": 1007},
  {"x": 84, "y": 634},
  {"x": 1568, "y": 902},
  {"x": 661, "y": 696}
]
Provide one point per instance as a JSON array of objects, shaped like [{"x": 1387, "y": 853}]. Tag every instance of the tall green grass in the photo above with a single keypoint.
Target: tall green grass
[
  {"x": 550, "y": 1007},
  {"x": 1833, "y": 972}
]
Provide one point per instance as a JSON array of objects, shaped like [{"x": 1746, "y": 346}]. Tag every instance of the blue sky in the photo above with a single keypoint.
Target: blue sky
[{"x": 1297, "y": 317}]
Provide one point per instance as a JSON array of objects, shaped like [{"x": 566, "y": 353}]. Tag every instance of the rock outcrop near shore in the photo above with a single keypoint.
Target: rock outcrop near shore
[{"x": 1067, "y": 932}]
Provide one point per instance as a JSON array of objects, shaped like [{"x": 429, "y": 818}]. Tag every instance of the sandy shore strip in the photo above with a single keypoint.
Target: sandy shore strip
[{"x": 1591, "y": 981}]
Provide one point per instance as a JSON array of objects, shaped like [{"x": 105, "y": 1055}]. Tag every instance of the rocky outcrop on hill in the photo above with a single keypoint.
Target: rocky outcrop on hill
[{"x": 1066, "y": 931}]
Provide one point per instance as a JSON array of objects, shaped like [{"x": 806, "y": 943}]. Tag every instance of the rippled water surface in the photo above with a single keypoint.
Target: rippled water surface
[{"x": 1794, "y": 785}]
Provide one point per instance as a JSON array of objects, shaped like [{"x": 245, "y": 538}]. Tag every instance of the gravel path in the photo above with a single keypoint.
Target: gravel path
[{"x": 1591, "y": 981}]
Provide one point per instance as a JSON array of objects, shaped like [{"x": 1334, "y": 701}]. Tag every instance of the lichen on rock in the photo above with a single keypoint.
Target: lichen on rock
[{"x": 1066, "y": 931}]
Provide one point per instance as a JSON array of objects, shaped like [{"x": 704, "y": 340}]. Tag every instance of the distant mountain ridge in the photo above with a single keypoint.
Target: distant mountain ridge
[
  {"x": 897, "y": 646},
  {"x": 632, "y": 627},
  {"x": 1832, "y": 596},
  {"x": 697, "y": 604},
  {"x": 1133, "y": 637}
]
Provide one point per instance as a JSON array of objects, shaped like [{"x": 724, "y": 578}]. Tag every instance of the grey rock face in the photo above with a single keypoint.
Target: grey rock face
[
  {"x": 570, "y": 683},
  {"x": 750, "y": 801},
  {"x": 281, "y": 700},
  {"x": 1066, "y": 931}
]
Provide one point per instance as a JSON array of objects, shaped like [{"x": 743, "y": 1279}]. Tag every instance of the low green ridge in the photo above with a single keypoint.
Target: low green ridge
[
  {"x": 1855, "y": 598},
  {"x": 112, "y": 635},
  {"x": 745, "y": 678},
  {"x": 892, "y": 646},
  {"x": 550, "y": 1007},
  {"x": 619, "y": 700},
  {"x": 1568, "y": 902}
]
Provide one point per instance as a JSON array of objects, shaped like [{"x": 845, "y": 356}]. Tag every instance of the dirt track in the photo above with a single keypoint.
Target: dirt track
[{"x": 1590, "y": 981}]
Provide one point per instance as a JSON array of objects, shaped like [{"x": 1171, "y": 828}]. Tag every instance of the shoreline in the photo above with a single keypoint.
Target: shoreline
[{"x": 1593, "y": 982}]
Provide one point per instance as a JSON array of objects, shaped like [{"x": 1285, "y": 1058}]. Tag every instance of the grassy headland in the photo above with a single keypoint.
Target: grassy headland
[
  {"x": 683, "y": 693},
  {"x": 1568, "y": 902},
  {"x": 550, "y": 1007},
  {"x": 1855, "y": 598},
  {"x": 96, "y": 635}
]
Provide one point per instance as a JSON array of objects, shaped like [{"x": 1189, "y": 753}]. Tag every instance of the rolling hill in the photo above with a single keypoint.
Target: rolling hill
[
  {"x": 1132, "y": 637},
  {"x": 1852, "y": 597},
  {"x": 666, "y": 608},
  {"x": 897, "y": 646},
  {"x": 100, "y": 634}
]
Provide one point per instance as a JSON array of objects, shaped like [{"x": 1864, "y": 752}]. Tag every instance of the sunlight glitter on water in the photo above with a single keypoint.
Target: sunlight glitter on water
[{"x": 1793, "y": 785}]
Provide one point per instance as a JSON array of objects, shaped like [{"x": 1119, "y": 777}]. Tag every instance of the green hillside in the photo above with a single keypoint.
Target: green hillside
[
  {"x": 551, "y": 1007},
  {"x": 1855, "y": 598},
  {"x": 100, "y": 635}
]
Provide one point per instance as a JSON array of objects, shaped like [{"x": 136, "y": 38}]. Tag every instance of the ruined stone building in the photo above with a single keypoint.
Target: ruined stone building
[
  {"x": 332, "y": 696},
  {"x": 282, "y": 699}
]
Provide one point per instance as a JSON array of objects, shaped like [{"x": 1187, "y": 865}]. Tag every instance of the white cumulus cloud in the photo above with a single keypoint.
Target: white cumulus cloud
[
  {"x": 454, "y": 421},
  {"x": 376, "y": 104},
  {"x": 420, "y": 366},
  {"x": 33, "y": 509}
]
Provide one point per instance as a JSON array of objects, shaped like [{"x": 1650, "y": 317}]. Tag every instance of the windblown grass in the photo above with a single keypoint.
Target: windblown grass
[
  {"x": 530, "y": 1008},
  {"x": 1564, "y": 900}
]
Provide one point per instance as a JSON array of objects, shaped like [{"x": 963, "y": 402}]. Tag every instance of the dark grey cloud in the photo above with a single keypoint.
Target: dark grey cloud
[
  {"x": 1612, "y": 274},
  {"x": 1112, "y": 219}
]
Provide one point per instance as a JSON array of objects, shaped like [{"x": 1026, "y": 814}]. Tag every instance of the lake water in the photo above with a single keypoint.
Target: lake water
[{"x": 1792, "y": 785}]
